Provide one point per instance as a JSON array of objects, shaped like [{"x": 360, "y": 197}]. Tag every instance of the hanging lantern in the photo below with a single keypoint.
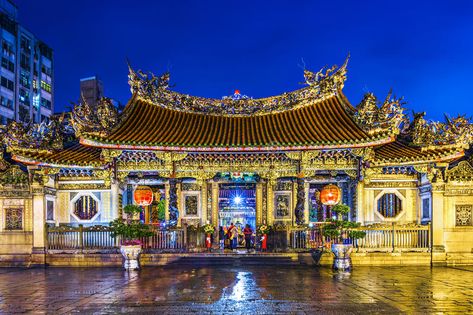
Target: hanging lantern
[
  {"x": 143, "y": 196},
  {"x": 330, "y": 195}
]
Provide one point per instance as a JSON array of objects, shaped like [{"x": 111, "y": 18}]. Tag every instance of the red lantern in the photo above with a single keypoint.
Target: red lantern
[
  {"x": 330, "y": 195},
  {"x": 143, "y": 196}
]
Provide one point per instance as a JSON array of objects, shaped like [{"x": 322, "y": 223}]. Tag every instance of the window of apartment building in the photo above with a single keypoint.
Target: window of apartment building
[
  {"x": 6, "y": 83},
  {"x": 46, "y": 51},
  {"x": 35, "y": 86},
  {"x": 46, "y": 103},
  {"x": 24, "y": 97},
  {"x": 24, "y": 113},
  {"x": 46, "y": 70},
  {"x": 4, "y": 120},
  {"x": 6, "y": 102},
  {"x": 25, "y": 61},
  {"x": 25, "y": 44},
  {"x": 25, "y": 78},
  {"x": 45, "y": 86},
  {"x": 8, "y": 49},
  {"x": 7, "y": 64}
]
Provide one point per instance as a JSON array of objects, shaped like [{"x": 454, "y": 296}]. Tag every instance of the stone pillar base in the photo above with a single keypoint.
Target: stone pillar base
[
  {"x": 439, "y": 257},
  {"x": 38, "y": 256}
]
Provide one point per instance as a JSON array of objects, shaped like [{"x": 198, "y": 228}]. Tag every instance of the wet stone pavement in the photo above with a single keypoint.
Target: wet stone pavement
[{"x": 240, "y": 290}]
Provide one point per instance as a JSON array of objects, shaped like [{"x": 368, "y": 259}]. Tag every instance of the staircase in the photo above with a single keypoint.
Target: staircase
[{"x": 236, "y": 260}]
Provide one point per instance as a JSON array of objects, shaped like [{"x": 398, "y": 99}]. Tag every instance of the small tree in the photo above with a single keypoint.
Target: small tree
[
  {"x": 340, "y": 229},
  {"x": 130, "y": 230}
]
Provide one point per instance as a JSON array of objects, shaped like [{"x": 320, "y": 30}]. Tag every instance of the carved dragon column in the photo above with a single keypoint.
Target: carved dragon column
[
  {"x": 173, "y": 209},
  {"x": 300, "y": 204}
]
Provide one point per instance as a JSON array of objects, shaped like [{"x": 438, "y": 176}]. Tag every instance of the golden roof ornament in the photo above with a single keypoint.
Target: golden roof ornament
[
  {"x": 46, "y": 136},
  {"x": 154, "y": 89},
  {"x": 388, "y": 117},
  {"x": 456, "y": 131},
  {"x": 94, "y": 121}
]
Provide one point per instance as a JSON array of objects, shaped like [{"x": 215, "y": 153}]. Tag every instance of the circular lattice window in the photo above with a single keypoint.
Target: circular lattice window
[{"x": 389, "y": 205}]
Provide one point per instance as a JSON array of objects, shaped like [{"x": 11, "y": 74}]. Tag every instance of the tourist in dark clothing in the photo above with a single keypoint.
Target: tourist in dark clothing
[
  {"x": 221, "y": 237},
  {"x": 248, "y": 232}
]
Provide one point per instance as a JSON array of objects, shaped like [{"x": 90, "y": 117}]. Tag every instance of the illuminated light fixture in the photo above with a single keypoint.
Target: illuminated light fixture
[
  {"x": 143, "y": 196},
  {"x": 330, "y": 195},
  {"x": 237, "y": 200}
]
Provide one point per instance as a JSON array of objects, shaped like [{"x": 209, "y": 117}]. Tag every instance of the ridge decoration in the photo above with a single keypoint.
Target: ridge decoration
[{"x": 154, "y": 89}]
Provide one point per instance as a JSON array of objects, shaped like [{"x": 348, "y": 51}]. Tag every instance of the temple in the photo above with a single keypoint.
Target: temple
[{"x": 242, "y": 160}]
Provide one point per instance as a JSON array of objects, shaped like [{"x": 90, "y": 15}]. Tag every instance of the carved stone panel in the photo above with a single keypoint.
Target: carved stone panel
[{"x": 464, "y": 215}]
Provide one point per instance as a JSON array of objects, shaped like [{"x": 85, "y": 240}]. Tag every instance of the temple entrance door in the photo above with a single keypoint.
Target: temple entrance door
[{"x": 237, "y": 204}]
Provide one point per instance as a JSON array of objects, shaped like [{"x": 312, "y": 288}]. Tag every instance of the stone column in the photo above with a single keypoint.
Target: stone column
[
  {"x": 360, "y": 216},
  {"x": 203, "y": 202},
  {"x": 39, "y": 221},
  {"x": 215, "y": 203},
  {"x": 259, "y": 203},
  {"x": 306, "y": 202},
  {"x": 438, "y": 241},
  {"x": 114, "y": 200}
]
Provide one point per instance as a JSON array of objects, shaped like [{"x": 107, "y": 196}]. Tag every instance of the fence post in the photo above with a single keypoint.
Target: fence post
[
  {"x": 81, "y": 237},
  {"x": 46, "y": 230},
  {"x": 393, "y": 237},
  {"x": 184, "y": 241}
]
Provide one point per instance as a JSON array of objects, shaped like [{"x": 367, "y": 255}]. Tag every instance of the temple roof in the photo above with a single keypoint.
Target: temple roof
[
  {"x": 325, "y": 123},
  {"x": 75, "y": 155},
  {"x": 398, "y": 153}
]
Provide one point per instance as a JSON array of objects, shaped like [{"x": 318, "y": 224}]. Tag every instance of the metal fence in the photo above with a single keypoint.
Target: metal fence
[
  {"x": 100, "y": 238},
  {"x": 386, "y": 238}
]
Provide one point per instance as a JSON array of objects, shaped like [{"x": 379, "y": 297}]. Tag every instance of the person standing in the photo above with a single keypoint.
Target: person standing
[
  {"x": 234, "y": 238},
  {"x": 230, "y": 234},
  {"x": 221, "y": 237},
  {"x": 248, "y": 232}
]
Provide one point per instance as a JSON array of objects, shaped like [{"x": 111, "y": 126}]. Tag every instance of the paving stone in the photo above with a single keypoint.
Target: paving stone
[{"x": 236, "y": 290}]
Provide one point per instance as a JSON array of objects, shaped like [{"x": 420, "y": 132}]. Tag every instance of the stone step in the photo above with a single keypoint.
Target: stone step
[{"x": 226, "y": 260}]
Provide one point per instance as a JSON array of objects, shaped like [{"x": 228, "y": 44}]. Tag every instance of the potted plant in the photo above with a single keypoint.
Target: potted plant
[
  {"x": 130, "y": 231},
  {"x": 264, "y": 231},
  {"x": 342, "y": 233},
  {"x": 209, "y": 229}
]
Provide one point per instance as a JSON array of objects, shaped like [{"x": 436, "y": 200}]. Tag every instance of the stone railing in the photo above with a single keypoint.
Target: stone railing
[
  {"x": 379, "y": 238},
  {"x": 99, "y": 238}
]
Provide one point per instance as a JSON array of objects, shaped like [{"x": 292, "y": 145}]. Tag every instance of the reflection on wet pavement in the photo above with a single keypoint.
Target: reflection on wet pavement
[{"x": 250, "y": 289}]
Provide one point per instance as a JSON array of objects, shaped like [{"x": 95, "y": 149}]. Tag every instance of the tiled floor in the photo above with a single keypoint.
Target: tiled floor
[{"x": 248, "y": 290}]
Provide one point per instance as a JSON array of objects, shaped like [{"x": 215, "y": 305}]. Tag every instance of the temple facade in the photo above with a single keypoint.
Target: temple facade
[{"x": 238, "y": 159}]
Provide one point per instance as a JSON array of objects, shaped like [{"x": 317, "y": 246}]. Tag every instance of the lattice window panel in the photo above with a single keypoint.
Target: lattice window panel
[
  {"x": 464, "y": 215},
  {"x": 389, "y": 205},
  {"x": 13, "y": 218}
]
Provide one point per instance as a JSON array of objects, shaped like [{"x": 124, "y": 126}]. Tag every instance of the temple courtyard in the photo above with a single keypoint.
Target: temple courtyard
[{"x": 236, "y": 289}]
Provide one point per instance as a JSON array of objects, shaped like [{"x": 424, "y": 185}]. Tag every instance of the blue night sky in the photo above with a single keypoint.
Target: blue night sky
[{"x": 422, "y": 49}]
